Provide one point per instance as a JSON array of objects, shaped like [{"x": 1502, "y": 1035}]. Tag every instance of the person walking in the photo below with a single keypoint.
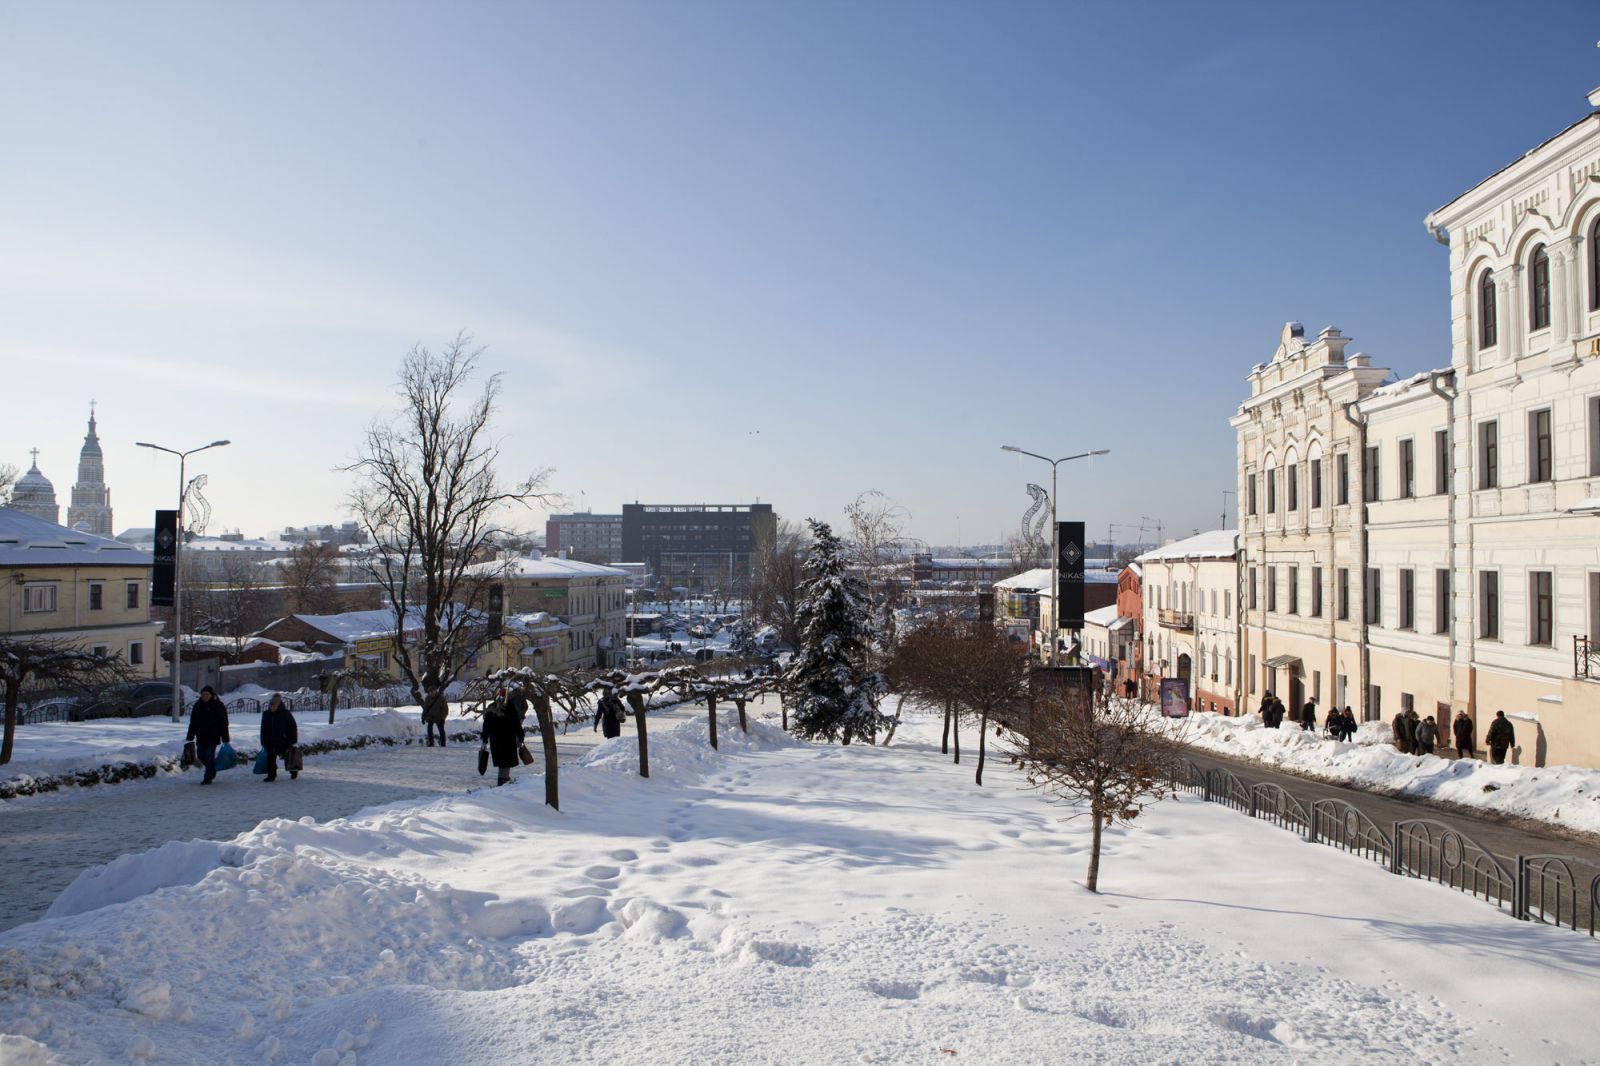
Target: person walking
[
  {"x": 502, "y": 734},
  {"x": 1265, "y": 710},
  {"x": 1349, "y": 725},
  {"x": 435, "y": 709},
  {"x": 1427, "y": 736},
  {"x": 610, "y": 716},
  {"x": 1462, "y": 728},
  {"x": 279, "y": 734},
  {"x": 1500, "y": 737},
  {"x": 1415, "y": 727},
  {"x": 208, "y": 728},
  {"x": 1278, "y": 713},
  {"x": 1308, "y": 715},
  {"x": 1399, "y": 728}
]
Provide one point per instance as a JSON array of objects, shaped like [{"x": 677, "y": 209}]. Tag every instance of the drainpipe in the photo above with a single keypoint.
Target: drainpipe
[
  {"x": 1361, "y": 443},
  {"x": 1449, "y": 397}
]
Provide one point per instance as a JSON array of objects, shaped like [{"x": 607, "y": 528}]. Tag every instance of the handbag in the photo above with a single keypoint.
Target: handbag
[
  {"x": 227, "y": 759},
  {"x": 189, "y": 758},
  {"x": 483, "y": 760},
  {"x": 294, "y": 762},
  {"x": 525, "y": 755},
  {"x": 262, "y": 760}
]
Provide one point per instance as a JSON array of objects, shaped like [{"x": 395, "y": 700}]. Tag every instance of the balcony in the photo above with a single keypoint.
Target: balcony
[
  {"x": 1170, "y": 619},
  {"x": 1585, "y": 659}
]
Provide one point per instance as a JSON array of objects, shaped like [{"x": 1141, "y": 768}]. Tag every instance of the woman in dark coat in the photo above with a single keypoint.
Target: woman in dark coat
[
  {"x": 279, "y": 733},
  {"x": 503, "y": 731},
  {"x": 609, "y": 720}
]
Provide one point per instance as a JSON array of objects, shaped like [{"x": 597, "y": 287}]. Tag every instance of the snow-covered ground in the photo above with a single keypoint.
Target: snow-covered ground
[
  {"x": 1566, "y": 796},
  {"x": 784, "y": 902},
  {"x": 53, "y": 749}
]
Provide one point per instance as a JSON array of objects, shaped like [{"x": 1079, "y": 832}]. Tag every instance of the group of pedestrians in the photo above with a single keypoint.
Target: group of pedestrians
[
  {"x": 208, "y": 732},
  {"x": 1423, "y": 736},
  {"x": 1340, "y": 725}
]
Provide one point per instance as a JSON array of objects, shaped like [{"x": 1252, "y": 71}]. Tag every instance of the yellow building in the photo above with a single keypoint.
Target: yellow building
[{"x": 62, "y": 584}]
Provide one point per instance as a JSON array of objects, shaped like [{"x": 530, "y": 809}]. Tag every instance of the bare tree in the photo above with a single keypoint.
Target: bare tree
[
  {"x": 922, "y": 666},
  {"x": 877, "y": 527},
  {"x": 1112, "y": 756},
  {"x": 8, "y": 481},
  {"x": 311, "y": 578},
  {"x": 237, "y": 603},
  {"x": 53, "y": 667},
  {"x": 990, "y": 679},
  {"x": 779, "y": 577},
  {"x": 428, "y": 494}
]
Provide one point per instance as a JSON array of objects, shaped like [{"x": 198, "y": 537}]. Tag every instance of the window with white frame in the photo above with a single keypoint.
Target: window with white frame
[
  {"x": 38, "y": 599},
  {"x": 136, "y": 653}
]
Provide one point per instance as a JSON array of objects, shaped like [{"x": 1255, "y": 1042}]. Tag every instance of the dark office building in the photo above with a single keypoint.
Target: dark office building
[{"x": 699, "y": 547}]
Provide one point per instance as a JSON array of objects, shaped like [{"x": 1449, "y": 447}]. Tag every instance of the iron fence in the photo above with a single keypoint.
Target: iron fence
[
  {"x": 1535, "y": 888},
  {"x": 1585, "y": 658}
]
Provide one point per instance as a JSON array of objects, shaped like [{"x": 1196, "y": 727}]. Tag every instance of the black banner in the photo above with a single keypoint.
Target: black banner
[
  {"x": 497, "y": 609},
  {"x": 164, "y": 572},
  {"x": 1070, "y": 551},
  {"x": 986, "y": 607}
]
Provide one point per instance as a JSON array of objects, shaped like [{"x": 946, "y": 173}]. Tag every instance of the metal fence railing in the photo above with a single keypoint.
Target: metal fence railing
[{"x": 1534, "y": 888}]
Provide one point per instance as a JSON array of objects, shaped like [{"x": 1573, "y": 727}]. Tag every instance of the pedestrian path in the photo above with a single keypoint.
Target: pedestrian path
[{"x": 46, "y": 841}]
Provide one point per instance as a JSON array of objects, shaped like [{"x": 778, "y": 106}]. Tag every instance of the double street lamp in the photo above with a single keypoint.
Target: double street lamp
[
  {"x": 1055, "y": 533},
  {"x": 177, "y": 569}
]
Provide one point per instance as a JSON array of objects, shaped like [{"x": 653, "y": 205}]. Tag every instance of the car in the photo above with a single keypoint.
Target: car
[{"x": 127, "y": 699}]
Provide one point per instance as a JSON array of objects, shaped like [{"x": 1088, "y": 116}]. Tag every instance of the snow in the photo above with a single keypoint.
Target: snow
[
  {"x": 54, "y": 749},
  {"x": 777, "y": 901},
  {"x": 1101, "y": 616},
  {"x": 1566, "y": 796},
  {"x": 1212, "y": 544}
]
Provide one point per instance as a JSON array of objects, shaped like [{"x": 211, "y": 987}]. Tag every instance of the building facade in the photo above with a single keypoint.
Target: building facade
[
  {"x": 63, "y": 584},
  {"x": 588, "y": 599},
  {"x": 33, "y": 494},
  {"x": 1191, "y": 618},
  {"x": 594, "y": 538},
  {"x": 698, "y": 547}
]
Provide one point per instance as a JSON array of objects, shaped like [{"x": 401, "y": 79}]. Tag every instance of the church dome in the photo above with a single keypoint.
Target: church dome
[{"x": 34, "y": 483}]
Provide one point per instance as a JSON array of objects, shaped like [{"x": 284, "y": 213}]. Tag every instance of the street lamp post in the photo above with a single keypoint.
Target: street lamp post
[
  {"x": 177, "y": 568},
  {"x": 1055, "y": 534}
]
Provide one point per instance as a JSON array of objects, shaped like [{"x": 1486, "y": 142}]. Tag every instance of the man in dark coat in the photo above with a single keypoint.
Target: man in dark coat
[
  {"x": 1279, "y": 711},
  {"x": 1399, "y": 728},
  {"x": 435, "y": 710},
  {"x": 208, "y": 728},
  {"x": 1462, "y": 728},
  {"x": 279, "y": 733},
  {"x": 502, "y": 729},
  {"x": 1501, "y": 736},
  {"x": 609, "y": 720},
  {"x": 1308, "y": 715}
]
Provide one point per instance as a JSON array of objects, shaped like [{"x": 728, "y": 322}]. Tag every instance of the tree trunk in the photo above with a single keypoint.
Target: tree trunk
[
  {"x": 636, "y": 701},
  {"x": 894, "y": 723},
  {"x": 744, "y": 724},
  {"x": 783, "y": 707},
  {"x": 983, "y": 737},
  {"x": 333, "y": 698},
  {"x": 711, "y": 715},
  {"x": 944, "y": 745},
  {"x": 13, "y": 694},
  {"x": 1092, "y": 883},
  {"x": 955, "y": 735},
  {"x": 547, "y": 735}
]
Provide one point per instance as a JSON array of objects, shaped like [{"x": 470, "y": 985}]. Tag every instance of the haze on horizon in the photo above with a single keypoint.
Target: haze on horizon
[{"x": 724, "y": 253}]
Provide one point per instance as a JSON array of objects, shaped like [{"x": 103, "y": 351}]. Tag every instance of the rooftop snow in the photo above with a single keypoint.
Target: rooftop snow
[
  {"x": 1212, "y": 544},
  {"x": 29, "y": 541}
]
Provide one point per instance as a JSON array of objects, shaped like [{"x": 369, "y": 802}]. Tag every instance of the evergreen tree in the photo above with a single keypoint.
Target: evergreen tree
[{"x": 829, "y": 685}]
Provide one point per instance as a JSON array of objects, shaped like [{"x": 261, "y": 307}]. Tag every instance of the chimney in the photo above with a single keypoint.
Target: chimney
[{"x": 563, "y": 553}]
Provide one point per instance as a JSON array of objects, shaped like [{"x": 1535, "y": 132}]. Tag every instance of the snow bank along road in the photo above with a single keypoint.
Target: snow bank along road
[
  {"x": 778, "y": 901},
  {"x": 47, "y": 840}
]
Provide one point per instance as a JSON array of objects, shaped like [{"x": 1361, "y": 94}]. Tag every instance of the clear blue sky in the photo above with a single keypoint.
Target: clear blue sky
[{"x": 724, "y": 251}]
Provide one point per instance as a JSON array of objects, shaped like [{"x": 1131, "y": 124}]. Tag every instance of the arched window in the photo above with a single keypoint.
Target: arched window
[
  {"x": 1488, "y": 324},
  {"x": 1539, "y": 289},
  {"x": 1594, "y": 266}
]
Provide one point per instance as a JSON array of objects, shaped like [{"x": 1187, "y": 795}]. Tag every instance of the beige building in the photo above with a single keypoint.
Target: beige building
[
  {"x": 588, "y": 599},
  {"x": 1302, "y": 526},
  {"x": 1434, "y": 544},
  {"x": 1191, "y": 619},
  {"x": 68, "y": 585}
]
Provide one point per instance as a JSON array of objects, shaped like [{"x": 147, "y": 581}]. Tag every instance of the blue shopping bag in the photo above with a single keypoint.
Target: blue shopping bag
[
  {"x": 260, "y": 766},
  {"x": 226, "y": 759}
]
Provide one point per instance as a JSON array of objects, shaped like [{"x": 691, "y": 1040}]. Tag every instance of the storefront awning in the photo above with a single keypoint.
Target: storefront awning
[{"x": 1289, "y": 662}]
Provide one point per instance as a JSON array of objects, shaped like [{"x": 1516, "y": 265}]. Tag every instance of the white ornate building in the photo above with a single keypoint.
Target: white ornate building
[
  {"x": 33, "y": 494},
  {"x": 1434, "y": 543}
]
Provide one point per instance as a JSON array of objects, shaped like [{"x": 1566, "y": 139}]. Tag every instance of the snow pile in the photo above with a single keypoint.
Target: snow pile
[
  {"x": 1567, "y": 796},
  {"x": 776, "y": 901}
]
